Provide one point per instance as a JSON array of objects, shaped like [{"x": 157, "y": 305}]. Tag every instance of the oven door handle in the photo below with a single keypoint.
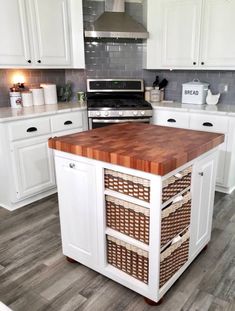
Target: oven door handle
[{"x": 118, "y": 120}]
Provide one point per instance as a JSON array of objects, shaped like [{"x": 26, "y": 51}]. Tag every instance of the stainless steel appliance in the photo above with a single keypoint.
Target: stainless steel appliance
[
  {"x": 115, "y": 23},
  {"x": 116, "y": 101}
]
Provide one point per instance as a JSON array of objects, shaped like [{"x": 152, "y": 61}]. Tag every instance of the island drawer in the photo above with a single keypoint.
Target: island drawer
[
  {"x": 128, "y": 258},
  {"x": 174, "y": 257},
  {"x": 128, "y": 218},
  {"x": 175, "y": 217},
  {"x": 176, "y": 184},
  {"x": 127, "y": 184}
]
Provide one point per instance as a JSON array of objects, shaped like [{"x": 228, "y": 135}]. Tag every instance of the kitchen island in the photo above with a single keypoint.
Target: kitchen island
[{"x": 136, "y": 201}]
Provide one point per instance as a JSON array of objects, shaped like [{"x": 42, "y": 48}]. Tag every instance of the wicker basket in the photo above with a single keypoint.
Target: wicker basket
[
  {"x": 130, "y": 185},
  {"x": 128, "y": 258},
  {"x": 173, "y": 258},
  {"x": 175, "y": 184},
  {"x": 175, "y": 218},
  {"x": 128, "y": 218}
]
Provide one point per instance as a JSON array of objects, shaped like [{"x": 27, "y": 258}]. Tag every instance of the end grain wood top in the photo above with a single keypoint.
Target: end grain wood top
[{"x": 149, "y": 148}]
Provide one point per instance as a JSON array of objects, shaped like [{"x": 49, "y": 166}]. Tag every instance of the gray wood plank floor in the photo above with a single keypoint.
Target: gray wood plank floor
[{"x": 34, "y": 275}]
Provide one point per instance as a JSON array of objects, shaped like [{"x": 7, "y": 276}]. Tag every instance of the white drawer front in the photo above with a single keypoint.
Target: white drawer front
[
  {"x": 29, "y": 128},
  {"x": 172, "y": 118},
  {"x": 209, "y": 123},
  {"x": 66, "y": 121}
]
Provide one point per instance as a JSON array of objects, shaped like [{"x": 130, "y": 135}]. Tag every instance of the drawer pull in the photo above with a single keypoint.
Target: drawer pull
[
  {"x": 201, "y": 174},
  {"x": 207, "y": 124},
  {"x": 171, "y": 120},
  {"x": 71, "y": 165},
  {"x": 68, "y": 122},
  {"x": 32, "y": 129}
]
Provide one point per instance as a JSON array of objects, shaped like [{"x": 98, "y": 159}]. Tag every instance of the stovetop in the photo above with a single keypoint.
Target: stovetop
[{"x": 117, "y": 102}]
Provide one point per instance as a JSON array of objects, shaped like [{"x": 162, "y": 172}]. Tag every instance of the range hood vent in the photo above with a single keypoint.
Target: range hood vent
[{"x": 115, "y": 23}]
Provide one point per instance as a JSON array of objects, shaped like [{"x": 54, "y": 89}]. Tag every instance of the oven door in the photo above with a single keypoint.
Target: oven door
[{"x": 96, "y": 122}]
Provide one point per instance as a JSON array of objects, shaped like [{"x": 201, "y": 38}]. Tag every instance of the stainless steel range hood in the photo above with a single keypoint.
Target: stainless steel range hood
[{"x": 115, "y": 23}]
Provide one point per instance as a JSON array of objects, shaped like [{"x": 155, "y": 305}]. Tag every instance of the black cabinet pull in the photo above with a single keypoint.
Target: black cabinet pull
[
  {"x": 202, "y": 63},
  {"x": 194, "y": 63},
  {"x": 39, "y": 61},
  {"x": 29, "y": 61},
  {"x": 68, "y": 122},
  {"x": 207, "y": 124},
  {"x": 32, "y": 129},
  {"x": 171, "y": 120}
]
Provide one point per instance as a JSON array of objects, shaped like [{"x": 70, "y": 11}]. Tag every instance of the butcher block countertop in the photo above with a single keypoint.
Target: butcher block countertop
[{"x": 149, "y": 148}]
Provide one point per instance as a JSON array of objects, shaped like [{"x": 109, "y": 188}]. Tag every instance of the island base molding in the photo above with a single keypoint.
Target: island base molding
[{"x": 115, "y": 219}]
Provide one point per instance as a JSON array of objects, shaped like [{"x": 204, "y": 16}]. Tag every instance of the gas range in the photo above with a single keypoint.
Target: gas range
[{"x": 115, "y": 101}]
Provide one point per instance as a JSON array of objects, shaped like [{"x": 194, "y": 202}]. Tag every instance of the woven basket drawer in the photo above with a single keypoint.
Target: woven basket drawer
[
  {"x": 173, "y": 258},
  {"x": 128, "y": 258},
  {"x": 175, "y": 184},
  {"x": 175, "y": 218},
  {"x": 128, "y": 218},
  {"x": 127, "y": 184}
]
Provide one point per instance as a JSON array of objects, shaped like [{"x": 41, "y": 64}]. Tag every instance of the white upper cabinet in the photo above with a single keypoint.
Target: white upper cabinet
[
  {"x": 51, "y": 32},
  {"x": 190, "y": 34},
  {"x": 14, "y": 48},
  {"x": 174, "y": 33},
  {"x": 218, "y": 44},
  {"x": 41, "y": 33}
]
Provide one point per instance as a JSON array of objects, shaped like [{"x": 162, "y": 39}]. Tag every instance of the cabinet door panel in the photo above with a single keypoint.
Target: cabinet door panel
[
  {"x": 14, "y": 33},
  {"x": 218, "y": 45},
  {"x": 202, "y": 204},
  {"x": 51, "y": 31},
  {"x": 181, "y": 30},
  {"x": 77, "y": 204},
  {"x": 33, "y": 167}
]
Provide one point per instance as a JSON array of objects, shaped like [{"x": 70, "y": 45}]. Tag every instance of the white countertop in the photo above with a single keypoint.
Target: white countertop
[
  {"x": 212, "y": 109},
  {"x": 10, "y": 114}
]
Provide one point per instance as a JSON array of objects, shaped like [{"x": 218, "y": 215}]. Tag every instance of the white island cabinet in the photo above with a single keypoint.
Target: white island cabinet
[
  {"x": 41, "y": 34},
  {"x": 26, "y": 162},
  {"x": 137, "y": 228}
]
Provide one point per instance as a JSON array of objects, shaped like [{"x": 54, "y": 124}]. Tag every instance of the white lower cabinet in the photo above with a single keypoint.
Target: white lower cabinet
[
  {"x": 202, "y": 204},
  {"x": 77, "y": 201},
  {"x": 209, "y": 123},
  {"x": 26, "y": 162},
  {"x": 33, "y": 167}
]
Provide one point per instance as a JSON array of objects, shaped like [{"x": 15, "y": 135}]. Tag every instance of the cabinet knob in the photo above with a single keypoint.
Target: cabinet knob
[
  {"x": 194, "y": 63},
  {"x": 71, "y": 165},
  {"x": 39, "y": 61},
  {"x": 202, "y": 63},
  {"x": 201, "y": 174},
  {"x": 29, "y": 61}
]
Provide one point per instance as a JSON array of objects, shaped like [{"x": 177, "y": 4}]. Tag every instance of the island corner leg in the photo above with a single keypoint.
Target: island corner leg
[
  {"x": 153, "y": 303},
  {"x": 71, "y": 260}
]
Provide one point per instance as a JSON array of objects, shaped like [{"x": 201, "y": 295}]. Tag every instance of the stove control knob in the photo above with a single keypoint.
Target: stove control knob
[
  {"x": 143, "y": 113},
  {"x": 106, "y": 113},
  {"x": 120, "y": 113},
  {"x": 135, "y": 113},
  {"x": 97, "y": 114}
]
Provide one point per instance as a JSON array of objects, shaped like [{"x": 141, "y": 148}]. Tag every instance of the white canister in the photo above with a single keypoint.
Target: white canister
[
  {"x": 50, "y": 93},
  {"x": 15, "y": 99},
  {"x": 147, "y": 93},
  {"x": 156, "y": 95},
  {"x": 27, "y": 99},
  {"x": 194, "y": 92},
  {"x": 38, "y": 96}
]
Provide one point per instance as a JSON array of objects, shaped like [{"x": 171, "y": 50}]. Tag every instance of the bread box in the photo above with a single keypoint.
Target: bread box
[{"x": 194, "y": 92}]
